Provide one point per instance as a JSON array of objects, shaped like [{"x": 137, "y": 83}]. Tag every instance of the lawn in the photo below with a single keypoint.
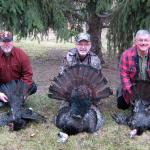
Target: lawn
[{"x": 44, "y": 136}]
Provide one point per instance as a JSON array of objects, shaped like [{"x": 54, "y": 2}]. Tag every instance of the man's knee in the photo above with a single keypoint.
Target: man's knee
[
  {"x": 121, "y": 103},
  {"x": 33, "y": 89}
]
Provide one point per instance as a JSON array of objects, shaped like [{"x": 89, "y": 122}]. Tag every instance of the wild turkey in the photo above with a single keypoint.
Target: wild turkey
[
  {"x": 80, "y": 86},
  {"x": 139, "y": 120},
  {"x": 19, "y": 116}
]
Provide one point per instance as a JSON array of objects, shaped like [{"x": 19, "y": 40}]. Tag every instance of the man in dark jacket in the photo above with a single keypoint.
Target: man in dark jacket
[
  {"x": 14, "y": 64},
  {"x": 82, "y": 54},
  {"x": 134, "y": 66}
]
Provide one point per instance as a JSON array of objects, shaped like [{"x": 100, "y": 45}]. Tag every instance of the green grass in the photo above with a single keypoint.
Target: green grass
[{"x": 44, "y": 136}]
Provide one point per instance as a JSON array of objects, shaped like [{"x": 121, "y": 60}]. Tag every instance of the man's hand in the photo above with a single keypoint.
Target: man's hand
[{"x": 3, "y": 97}]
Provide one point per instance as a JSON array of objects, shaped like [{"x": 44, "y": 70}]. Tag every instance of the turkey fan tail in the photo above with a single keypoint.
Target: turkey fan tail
[
  {"x": 63, "y": 84},
  {"x": 99, "y": 86},
  {"x": 16, "y": 87},
  {"x": 5, "y": 89},
  {"x": 92, "y": 75},
  {"x": 23, "y": 87},
  {"x": 77, "y": 76},
  {"x": 100, "y": 94},
  {"x": 59, "y": 88},
  {"x": 8, "y": 88},
  {"x": 19, "y": 92},
  {"x": 15, "y": 90},
  {"x": 95, "y": 80}
]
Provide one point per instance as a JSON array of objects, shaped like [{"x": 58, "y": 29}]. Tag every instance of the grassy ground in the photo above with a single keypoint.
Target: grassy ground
[
  {"x": 44, "y": 136},
  {"x": 42, "y": 49}
]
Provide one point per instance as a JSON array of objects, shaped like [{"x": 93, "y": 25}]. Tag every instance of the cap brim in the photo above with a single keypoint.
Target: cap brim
[
  {"x": 83, "y": 39},
  {"x": 6, "y": 39}
]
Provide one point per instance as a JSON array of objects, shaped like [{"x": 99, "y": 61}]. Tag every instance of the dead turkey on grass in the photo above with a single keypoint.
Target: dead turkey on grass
[
  {"x": 18, "y": 116},
  {"x": 82, "y": 87},
  {"x": 139, "y": 119}
]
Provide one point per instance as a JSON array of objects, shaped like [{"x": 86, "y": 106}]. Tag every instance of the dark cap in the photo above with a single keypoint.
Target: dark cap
[
  {"x": 83, "y": 36},
  {"x": 6, "y": 36}
]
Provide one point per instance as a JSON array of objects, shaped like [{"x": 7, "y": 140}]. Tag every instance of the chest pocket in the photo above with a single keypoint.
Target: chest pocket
[
  {"x": 7, "y": 70},
  {"x": 15, "y": 68}
]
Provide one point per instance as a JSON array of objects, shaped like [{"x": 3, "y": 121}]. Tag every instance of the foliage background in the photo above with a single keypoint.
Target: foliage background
[{"x": 66, "y": 17}]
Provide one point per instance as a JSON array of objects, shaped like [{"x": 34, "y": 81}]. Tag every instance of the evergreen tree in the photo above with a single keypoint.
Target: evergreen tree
[
  {"x": 128, "y": 16},
  {"x": 25, "y": 17}
]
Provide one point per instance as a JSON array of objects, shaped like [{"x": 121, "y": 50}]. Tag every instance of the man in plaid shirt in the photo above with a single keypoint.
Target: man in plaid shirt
[{"x": 134, "y": 65}]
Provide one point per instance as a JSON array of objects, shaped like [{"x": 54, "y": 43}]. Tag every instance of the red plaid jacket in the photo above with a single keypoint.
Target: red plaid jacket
[{"x": 129, "y": 71}]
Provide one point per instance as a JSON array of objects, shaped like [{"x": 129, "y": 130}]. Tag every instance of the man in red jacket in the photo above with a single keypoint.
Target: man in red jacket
[
  {"x": 14, "y": 64},
  {"x": 134, "y": 66}
]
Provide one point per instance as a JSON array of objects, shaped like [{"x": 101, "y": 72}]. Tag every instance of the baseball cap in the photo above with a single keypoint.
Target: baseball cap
[
  {"x": 6, "y": 36},
  {"x": 83, "y": 36}
]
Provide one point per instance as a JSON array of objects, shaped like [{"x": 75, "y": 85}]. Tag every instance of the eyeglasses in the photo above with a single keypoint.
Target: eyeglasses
[{"x": 143, "y": 40}]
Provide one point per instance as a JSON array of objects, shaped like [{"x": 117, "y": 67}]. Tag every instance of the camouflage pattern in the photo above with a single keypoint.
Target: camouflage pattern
[{"x": 72, "y": 58}]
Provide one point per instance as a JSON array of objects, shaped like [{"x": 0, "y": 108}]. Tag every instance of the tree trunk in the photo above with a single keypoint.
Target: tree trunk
[{"x": 95, "y": 30}]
